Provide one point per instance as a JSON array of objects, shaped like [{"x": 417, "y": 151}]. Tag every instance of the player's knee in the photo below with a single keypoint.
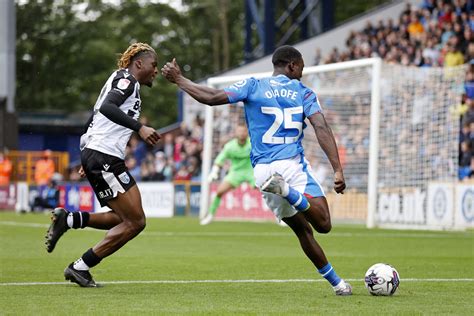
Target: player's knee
[
  {"x": 140, "y": 224},
  {"x": 136, "y": 226},
  {"x": 325, "y": 226}
]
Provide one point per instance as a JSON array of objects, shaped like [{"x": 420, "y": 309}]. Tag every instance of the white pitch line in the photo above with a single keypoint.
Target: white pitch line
[
  {"x": 225, "y": 281},
  {"x": 264, "y": 234}
]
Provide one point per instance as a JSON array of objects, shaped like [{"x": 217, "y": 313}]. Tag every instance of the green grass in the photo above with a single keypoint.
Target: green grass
[{"x": 180, "y": 249}]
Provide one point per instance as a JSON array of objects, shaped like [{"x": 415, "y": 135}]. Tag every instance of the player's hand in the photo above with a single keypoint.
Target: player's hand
[
  {"x": 171, "y": 71},
  {"x": 339, "y": 182},
  {"x": 149, "y": 135},
  {"x": 214, "y": 174},
  {"x": 81, "y": 172}
]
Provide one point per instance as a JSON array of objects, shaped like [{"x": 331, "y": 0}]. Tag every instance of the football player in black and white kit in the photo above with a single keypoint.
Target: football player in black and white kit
[{"x": 102, "y": 156}]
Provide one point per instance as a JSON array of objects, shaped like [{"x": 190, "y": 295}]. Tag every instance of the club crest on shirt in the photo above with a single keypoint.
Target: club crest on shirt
[
  {"x": 124, "y": 178},
  {"x": 238, "y": 85},
  {"x": 123, "y": 84}
]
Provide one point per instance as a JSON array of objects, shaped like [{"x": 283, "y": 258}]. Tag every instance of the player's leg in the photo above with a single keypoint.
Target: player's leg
[
  {"x": 285, "y": 200},
  {"x": 303, "y": 192},
  {"x": 304, "y": 232},
  {"x": 300, "y": 226},
  {"x": 318, "y": 215},
  {"x": 92, "y": 162},
  {"x": 229, "y": 183},
  {"x": 129, "y": 208},
  {"x": 222, "y": 189},
  {"x": 105, "y": 220},
  {"x": 115, "y": 187},
  {"x": 62, "y": 220}
]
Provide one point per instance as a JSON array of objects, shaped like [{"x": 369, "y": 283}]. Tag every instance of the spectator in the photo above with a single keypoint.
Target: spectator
[
  {"x": 431, "y": 52},
  {"x": 194, "y": 168},
  {"x": 469, "y": 85},
  {"x": 448, "y": 32},
  {"x": 73, "y": 171},
  {"x": 468, "y": 115},
  {"x": 183, "y": 174},
  {"x": 148, "y": 169},
  {"x": 44, "y": 168},
  {"x": 5, "y": 169},
  {"x": 49, "y": 198},
  {"x": 133, "y": 167},
  {"x": 415, "y": 28},
  {"x": 471, "y": 21},
  {"x": 162, "y": 167},
  {"x": 137, "y": 148},
  {"x": 168, "y": 147},
  {"x": 445, "y": 16},
  {"x": 317, "y": 57},
  {"x": 465, "y": 160},
  {"x": 453, "y": 57}
]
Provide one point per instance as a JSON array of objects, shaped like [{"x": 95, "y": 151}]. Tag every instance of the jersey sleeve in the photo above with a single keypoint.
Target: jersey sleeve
[
  {"x": 239, "y": 91},
  {"x": 123, "y": 86},
  {"x": 310, "y": 103},
  {"x": 222, "y": 157}
]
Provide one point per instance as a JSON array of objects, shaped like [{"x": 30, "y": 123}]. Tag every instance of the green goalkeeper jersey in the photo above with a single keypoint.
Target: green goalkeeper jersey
[{"x": 238, "y": 155}]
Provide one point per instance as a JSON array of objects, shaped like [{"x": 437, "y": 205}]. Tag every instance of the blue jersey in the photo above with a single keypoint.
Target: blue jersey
[{"x": 275, "y": 110}]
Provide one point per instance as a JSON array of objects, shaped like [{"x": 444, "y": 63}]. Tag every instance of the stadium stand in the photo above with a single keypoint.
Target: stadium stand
[{"x": 435, "y": 34}]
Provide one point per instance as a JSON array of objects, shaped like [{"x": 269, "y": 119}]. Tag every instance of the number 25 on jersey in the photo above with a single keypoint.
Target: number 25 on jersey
[{"x": 284, "y": 118}]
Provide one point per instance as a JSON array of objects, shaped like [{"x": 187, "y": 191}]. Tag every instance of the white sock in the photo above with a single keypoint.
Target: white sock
[
  {"x": 79, "y": 264},
  {"x": 70, "y": 220},
  {"x": 341, "y": 285}
]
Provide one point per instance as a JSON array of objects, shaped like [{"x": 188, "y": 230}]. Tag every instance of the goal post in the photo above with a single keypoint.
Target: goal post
[{"x": 377, "y": 112}]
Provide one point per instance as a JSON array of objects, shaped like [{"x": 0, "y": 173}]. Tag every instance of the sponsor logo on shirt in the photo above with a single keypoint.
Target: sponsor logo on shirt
[
  {"x": 105, "y": 193},
  {"x": 276, "y": 83},
  {"x": 123, "y": 83}
]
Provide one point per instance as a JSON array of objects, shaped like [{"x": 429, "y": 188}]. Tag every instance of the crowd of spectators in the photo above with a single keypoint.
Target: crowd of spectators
[
  {"x": 438, "y": 33},
  {"x": 176, "y": 157}
]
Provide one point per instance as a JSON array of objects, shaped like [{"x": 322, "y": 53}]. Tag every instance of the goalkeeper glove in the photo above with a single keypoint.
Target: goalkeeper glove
[{"x": 214, "y": 175}]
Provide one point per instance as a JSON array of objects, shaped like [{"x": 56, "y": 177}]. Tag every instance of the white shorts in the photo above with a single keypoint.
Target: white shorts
[{"x": 298, "y": 173}]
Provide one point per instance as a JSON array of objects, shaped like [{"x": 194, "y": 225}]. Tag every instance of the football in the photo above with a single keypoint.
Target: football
[{"x": 382, "y": 279}]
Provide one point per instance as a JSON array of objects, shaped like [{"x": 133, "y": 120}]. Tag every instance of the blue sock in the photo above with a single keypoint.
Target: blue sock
[
  {"x": 330, "y": 274},
  {"x": 298, "y": 200}
]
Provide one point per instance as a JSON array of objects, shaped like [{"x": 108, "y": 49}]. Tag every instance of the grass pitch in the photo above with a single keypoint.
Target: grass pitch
[{"x": 177, "y": 266}]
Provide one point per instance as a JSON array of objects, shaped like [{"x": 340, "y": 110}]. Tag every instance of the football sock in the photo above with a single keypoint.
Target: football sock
[
  {"x": 330, "y": 274},
  {"x": 298, "y": 200},
  {"x": 215, "y": 204},
  {"x": 77, "y": 219},
  {"x": 80, "y": 265},
  {"x": 88, "y": 260}
]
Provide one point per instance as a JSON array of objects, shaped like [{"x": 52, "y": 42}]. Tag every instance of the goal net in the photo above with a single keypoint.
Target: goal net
[{"x": 394, "y": 132}]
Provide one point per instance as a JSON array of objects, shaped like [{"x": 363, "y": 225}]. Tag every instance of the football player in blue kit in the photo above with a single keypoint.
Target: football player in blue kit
[{"x": 275, "y": 110}]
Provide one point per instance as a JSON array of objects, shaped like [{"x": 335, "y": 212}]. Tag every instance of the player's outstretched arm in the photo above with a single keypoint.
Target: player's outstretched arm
[
  {"x": 328, "y": 144},
  {"x": 207, "y": 95}
]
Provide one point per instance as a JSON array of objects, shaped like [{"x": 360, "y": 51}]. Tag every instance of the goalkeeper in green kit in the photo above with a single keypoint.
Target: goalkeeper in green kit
[{"x": 238, "y": 152}]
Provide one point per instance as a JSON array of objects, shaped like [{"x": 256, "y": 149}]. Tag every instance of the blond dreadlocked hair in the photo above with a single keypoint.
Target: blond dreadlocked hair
[{"x": 132, "y": 50}]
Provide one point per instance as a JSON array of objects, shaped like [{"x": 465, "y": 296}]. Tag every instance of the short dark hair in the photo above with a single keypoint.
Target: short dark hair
[{"x": 284, "y": 55}]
